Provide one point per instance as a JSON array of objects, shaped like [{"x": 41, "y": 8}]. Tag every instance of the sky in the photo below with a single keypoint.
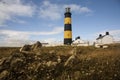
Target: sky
[{"x": 26, "y": 21}]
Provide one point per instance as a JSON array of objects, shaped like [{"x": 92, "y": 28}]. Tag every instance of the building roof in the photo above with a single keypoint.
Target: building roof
[
  {"x": 80, "y": 41},
  {"x": 100, "y": 37}
]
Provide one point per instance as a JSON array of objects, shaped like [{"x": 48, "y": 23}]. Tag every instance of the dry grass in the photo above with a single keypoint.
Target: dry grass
[
  {"x": 90, "y": 63},
  {"x": 6, "y": 51}
]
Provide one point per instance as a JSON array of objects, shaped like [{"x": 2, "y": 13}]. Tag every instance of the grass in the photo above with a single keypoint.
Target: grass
[
  {"x": 90, "y": 63},
  {"x": 6, "y": 51}
]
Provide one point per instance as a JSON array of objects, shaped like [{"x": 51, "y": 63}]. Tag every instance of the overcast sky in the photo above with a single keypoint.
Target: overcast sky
[{"x": 25, "y": 21}]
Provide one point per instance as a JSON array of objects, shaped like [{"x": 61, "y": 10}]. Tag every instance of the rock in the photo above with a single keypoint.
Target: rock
[
  {"x": 69, "y": 60},
  {"x": 2, "y": 61},
  {"x": 25, "y": 48},
  {"x": 59, "y": 59},
  {"x": 77, "y": 75},
  {"x": 29, "y": 48},
  {"x": 51, "y": 63},
  {"x": 5, "y": 64},
  {"x": 3, "y": 74},
  {"x": 36, "y": 46},
  {"x": 16, "y": 61}
]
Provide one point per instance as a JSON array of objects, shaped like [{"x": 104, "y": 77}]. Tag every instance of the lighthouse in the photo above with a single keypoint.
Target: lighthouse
[{"x": 67, "y": 27}]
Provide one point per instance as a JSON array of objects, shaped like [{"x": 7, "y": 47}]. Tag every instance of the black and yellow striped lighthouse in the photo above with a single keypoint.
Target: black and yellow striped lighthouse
[{"x": 67, "y": 27}]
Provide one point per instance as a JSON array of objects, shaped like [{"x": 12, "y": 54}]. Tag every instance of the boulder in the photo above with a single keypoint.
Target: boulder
[
  {"x": 3, "y": 74},
  {"x": 29, "y": 48},
  {"x": 25, "y": 48},
  {"x": 36, "y": 46}
]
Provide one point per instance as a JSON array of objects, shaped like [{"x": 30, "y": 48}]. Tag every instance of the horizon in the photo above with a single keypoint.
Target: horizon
[{"x": 24, "y": 22}]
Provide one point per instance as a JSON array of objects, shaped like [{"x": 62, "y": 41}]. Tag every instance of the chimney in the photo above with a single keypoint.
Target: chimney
[
  {"x": 100, "y": 35},
  {"x": 107, "y": 33},
  {"x": 77, "y": 38}
]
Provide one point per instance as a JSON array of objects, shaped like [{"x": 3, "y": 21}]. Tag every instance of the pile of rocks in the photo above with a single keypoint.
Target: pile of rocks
[
  {"x": 33, "y": 47},
  {"x": 24, "y": 65}
]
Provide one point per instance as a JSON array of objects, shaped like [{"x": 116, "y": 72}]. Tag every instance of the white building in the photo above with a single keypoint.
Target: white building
[
  {"x": 54, "y": 43},
  {"x": 103, "y": 40},
  {"x": 79, "y": 42}
]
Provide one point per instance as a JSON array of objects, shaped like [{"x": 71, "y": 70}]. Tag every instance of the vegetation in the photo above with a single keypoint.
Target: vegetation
[
  {"x": 89, "y": 63},
  {"x": 6, "y": 51}
]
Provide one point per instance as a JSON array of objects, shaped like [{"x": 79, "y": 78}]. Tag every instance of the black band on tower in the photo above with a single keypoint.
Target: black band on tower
[
  {"x": 67, "y": 27},
  {"x": 67, "y": 14},
  {"x": 68, "y": 41}
]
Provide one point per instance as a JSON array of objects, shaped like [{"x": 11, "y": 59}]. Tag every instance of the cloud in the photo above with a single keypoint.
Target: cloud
[
  {"x": 50, "y": 11},
  {"x": 19, "y": 21},
  {"x": 25, "y": 34},
  {"x": 56, "y": 30},
  {"x": 18, "y": 38},
  {"x": 78, "y": 9},
  {"x": 3, "y": 25},
  {"x": 50, "y": 40},
  {"x": 116, "y": 34},
  {"x": 55, "y": 11},
  {"x": 12, "y": 8}
]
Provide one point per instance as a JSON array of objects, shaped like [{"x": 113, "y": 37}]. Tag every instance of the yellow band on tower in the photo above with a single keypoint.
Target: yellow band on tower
[
  {"x": 67, "y": 20},
  {"x": 67, "y": 34}
]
